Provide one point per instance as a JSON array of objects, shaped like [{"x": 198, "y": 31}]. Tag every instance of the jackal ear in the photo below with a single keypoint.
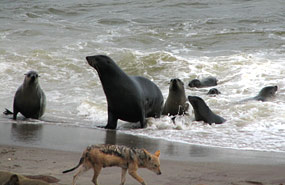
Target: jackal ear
[{"x": 157, "y": 153}]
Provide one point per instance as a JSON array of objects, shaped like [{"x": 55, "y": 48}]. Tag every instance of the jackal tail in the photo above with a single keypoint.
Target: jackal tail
[{"x": 80, "y": 162}]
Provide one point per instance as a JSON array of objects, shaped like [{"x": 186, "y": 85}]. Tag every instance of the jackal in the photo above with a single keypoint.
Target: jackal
[{"x": 129, "y": 159}]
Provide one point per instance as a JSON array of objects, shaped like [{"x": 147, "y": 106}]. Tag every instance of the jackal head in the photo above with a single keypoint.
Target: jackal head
[{"x": 153, "y": 162}]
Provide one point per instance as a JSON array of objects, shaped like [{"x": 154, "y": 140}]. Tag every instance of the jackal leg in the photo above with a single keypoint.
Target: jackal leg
[
  {"x": 133, "y": 172},
  {"x": 123, "y": 177},
  {"x": 97, "y": 170},
  {"x": 81, "y": 170}
]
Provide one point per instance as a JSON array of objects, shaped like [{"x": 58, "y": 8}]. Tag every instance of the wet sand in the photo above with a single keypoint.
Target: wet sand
[{"x": 47, "y": 149}]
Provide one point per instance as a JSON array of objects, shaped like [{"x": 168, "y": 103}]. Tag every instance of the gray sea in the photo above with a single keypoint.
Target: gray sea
[{"x": 240, "y": 42}]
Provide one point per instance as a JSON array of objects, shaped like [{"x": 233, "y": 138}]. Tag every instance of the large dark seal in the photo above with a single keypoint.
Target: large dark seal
[
  {"x": 29, "y": 99},
  {"x": 176, "y": 101},
  {"x": 203, "y": 112},
  {"x": 264, "y": 94},
  {"x": 205, "y": 82},
  {"x": 129, "y": 98}
]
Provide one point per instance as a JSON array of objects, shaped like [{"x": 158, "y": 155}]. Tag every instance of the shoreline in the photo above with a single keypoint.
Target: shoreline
[
  {"x": 76, "y": 139},
  {"x": 44, "y": 149},
  {"x": 37, "y": 161}
]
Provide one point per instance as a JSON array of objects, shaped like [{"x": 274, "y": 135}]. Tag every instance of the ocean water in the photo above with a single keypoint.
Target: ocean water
[{"x": 240, "y": 42}]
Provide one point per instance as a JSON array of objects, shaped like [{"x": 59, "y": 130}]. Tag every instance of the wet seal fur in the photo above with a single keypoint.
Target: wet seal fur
[
  {"x": 213, "y": 91},
  {"x": 203, "y": 112},
  {"x": 130, "y": 98},
  {"x": 176, "y": 101},
  {"x": 264, "y": 94},
  {"x": 205, "y": 82},
  {"x": 129, "y": 159},
  {"x": 29, "y": 99}
]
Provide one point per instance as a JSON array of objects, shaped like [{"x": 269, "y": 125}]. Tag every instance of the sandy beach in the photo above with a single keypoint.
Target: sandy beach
[{"x": 36, "y": 151}]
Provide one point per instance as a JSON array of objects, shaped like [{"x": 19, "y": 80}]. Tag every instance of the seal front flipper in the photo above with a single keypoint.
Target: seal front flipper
[
  {"x": 7, "y": 112},
  {"x": 112, "y": 121}
]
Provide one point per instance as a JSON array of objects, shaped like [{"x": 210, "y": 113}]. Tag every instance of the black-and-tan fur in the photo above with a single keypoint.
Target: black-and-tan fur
[{"x": 101, "y": 156}]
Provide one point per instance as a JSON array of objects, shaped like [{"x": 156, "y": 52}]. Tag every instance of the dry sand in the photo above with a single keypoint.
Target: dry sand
[{"x": 180, "y": 164}]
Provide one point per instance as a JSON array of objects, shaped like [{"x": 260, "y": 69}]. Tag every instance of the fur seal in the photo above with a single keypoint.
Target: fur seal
[
  {"x": 205, "y": 82},
  {"x": 176, "y": 101},
  {"x": 264, "y": 94},
  {"x": 203, "y": 112},
  {"x": 213, "y": 91},
  {"x": 129, "y": 98},
  {"x": 29, "y": 99}
]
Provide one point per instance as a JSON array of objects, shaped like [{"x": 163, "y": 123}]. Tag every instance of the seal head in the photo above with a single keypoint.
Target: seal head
[
  {"x": 205, "y": 82},
  {"x": 213, "y": 91},
  {"x": 266, "y": 93},
  {"x": 195, "y": 83}
]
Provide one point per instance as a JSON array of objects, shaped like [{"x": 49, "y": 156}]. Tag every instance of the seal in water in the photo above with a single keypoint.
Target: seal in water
[
  {"x": 213, "y": 91},
  {"x": 206, "y": 82},
  {"x": 29, "y": 99},
  {"x": 264, "y": 94},
  {"x": 203, "y": 112},
  {"x": 129, "y": 98},
  {"x": 176, "y": 101}
]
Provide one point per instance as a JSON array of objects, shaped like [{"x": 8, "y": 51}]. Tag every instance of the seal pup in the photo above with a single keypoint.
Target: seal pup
[
  {"x": 264, "y": 94},
  {"x": 176, "y": 101},
  {"x": 205, "y": 82},
  {"x": 202, "y": 112},
  {"x": 213, "y": 91},
  {"x": 29, "y": 100},
  {"x": 129, "y": 98}
]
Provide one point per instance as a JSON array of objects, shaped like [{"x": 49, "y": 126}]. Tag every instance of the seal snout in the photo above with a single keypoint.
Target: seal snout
[
  {"x": 276, "y": 87},
  {"x": 32, "y": 76},
  {"x": 88, "y": 58},
  {"x": 190, "y": 98},
  {"x": 92, "y": 61},
  {"x": 173, "y": 83}
]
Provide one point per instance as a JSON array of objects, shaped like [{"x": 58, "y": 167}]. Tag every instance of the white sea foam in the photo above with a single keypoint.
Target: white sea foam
[
  {"x": 252, "y": 125},
  {"x": 245, "y": 52}
]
